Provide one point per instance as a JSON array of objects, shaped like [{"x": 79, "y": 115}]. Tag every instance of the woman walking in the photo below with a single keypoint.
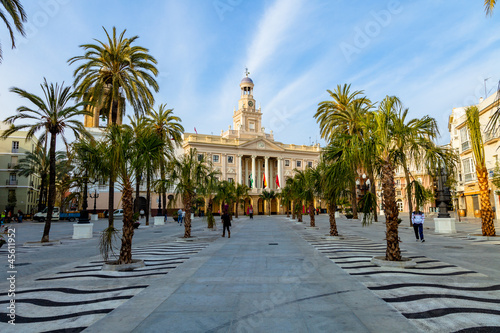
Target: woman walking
[
  {"x": 417, "y": 218},
  {"x": 226, "y": 223}
]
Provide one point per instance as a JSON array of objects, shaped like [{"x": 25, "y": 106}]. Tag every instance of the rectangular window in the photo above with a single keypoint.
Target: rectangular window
[
  {"x": 15, "y": 146},
  {"x": 231, "y": 180},
  {"x": 299, "y": 164},
  {"x": 251, "y": 126},
  {"x": 469, "y": 169},
  {"x": 230, "y": 159},
  {"x": 215, "y": 158},
  {"x": 309, "y": 164},
  {"x": 287, "y": 162},
  {"x": 200, "y": 157},
  {"x": 464, "y": 139}
]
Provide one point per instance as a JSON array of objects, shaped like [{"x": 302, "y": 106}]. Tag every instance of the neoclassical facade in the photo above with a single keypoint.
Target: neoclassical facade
[{"x": 246, "y": 154}]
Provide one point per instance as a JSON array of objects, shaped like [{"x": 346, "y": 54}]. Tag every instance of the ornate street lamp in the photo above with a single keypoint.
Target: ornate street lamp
[
  {"x": 95, "y": 196},
  {"x": 84, "y": 214},
  {"x": 443, "y": 210}
]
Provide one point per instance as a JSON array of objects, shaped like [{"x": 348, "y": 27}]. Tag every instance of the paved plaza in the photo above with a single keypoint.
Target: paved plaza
[{"x": 273, "y": 275}]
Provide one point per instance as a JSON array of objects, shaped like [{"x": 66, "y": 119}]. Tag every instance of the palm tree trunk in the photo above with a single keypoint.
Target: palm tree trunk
[
  {"x": 148, "y": 194},
  {"x": 128, "y": 225},
  {"x": 293, "y": 210},
  {"x": 331, "y": 214},
  {"x": 52, "y": 187},
  {"x": 236, "y": 209},
  {"x": 187, "y": 219},
  {"x": 393, "y": 252},
  {"x": 287, "y": 211},
  {"x": 373, "y": 189},
  {"x": 162, "y": 189},
  {"x": 408, "y": 192},
  {"x": 42, "y": 192},
  {"x": 111, "y": 199},
  {"x": 354, "y": 201},
  {"x": 137, "y": 191},
  {"x": 311, "y": 214},
  {"x": 487, "y": 225},
  {"x": 299, "y": 212}
]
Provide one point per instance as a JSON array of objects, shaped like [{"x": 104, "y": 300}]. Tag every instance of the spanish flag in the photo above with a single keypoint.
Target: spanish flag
[
  {"x": 265, "y": 182},
  {"x": 277, "y": 181}
]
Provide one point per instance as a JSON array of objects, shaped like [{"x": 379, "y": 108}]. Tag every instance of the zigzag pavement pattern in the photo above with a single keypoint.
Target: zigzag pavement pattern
[
  {"x": 80, "y": 294},
  {"x": 435, "y": 296}
]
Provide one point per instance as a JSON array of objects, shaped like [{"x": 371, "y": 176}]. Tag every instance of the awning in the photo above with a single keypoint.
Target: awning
[{"x": 471, "y": 192}]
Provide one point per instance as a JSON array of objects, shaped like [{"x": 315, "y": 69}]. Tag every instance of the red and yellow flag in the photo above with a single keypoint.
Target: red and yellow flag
[{"x": 265, "y": 182}]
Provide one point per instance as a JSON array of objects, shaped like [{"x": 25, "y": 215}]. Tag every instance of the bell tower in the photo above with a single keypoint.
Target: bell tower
[{"x": 247, "y": 118}]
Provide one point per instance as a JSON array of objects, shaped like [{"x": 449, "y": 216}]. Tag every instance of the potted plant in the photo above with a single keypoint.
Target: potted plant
[{"x": 136, "y": 222}]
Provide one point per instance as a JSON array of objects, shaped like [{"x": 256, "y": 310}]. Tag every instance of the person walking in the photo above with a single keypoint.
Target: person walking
[
  {"x": 250, "y": 212},
  {"x": 19, "y": 216},
  {"x": 417, "y": 218},
  {"x": 179, "y": 216},
  {"x": 226, "y": 223}
]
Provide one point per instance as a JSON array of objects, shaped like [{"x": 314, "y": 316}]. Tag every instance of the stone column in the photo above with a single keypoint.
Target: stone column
[
  {"x": 254, "y": 179},
  {"x": 259, "y": 174},
  {"x": 266, "y": 170},
  {"x": 240, "y": 170},
  {"x": 223, "y": 163},
  {"x": 280, "y": 177},
  {"x": 247, "y": 174}
]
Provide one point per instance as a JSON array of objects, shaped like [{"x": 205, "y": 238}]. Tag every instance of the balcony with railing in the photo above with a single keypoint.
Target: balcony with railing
[
  {"x": 12, "y": 165},
  {"x": 11, "y": 182}
]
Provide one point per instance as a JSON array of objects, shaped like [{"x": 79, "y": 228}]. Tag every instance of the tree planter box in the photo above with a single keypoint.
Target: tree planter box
[
  {"x": 159, "y": 220},
  {"x": 445, "y": 225},
  {"x": 404, "y": 263},
  {"x": 83, "y": 230},
  {"x": 113, "y": 266}
]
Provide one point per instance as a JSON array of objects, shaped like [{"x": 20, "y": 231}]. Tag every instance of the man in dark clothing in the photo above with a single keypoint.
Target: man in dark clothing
[{"x": 226, "y": 223}]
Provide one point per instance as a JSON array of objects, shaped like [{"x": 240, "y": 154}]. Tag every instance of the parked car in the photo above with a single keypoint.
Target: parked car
[{"x": 118, "y": 213}]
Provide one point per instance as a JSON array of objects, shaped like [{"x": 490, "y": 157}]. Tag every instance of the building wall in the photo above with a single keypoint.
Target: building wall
[
  {"x": 467, "y": 186},
  {"x": 12, "y": 150}
]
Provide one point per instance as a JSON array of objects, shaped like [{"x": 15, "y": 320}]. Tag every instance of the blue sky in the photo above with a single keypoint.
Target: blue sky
[{"x": 433, "y": 54}]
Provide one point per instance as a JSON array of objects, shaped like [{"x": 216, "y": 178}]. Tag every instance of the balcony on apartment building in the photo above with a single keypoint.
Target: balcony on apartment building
[
  {"x": 12, "y": 165},
  {"x": 465, "y": 146},
  {"x": 11, "y": 182}
]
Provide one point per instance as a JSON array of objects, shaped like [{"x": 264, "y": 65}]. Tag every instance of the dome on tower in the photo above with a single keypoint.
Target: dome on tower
[{"x": 247, "y": 80}]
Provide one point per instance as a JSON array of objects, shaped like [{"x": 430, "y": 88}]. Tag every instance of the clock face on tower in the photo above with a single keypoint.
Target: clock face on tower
[{"x": 250, "y": 104}]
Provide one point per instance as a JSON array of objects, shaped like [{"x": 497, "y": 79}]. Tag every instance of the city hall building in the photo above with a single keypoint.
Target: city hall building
[{"x": 246, "y": 154}]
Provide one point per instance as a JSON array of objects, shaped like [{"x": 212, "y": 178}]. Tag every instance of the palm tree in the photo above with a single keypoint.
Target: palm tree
[
  {"x": 268, "y": 196},
  {"x": 309, "y": 181},
  {"x": 489, "y": 5},
  {"x": 240, "y": 194},
  {"x": 207, "y": 189},
  {"x": 187, "y": 175},
  {"x": 294, "y": 187},
  {"x": 410, "y": 137},
  {"x": 286, "y": 198},
  {"x": 110, "y": 70},
  {"x": 487, "y": 226},
  {"x": 168, "y": 128},
  {"x": 15, "y": 10},
  {"x": 334, "y": 179},
  {"x": 36, "y": 164},
  {"x": 345, "y": 114},
  {"x": 225, "y": 195},
  {"x": 150, "y": 154},
  {"x": 385, "y": 147},
  {"x": 53, "y": 116},
  {"x": 124, "y": 159}
]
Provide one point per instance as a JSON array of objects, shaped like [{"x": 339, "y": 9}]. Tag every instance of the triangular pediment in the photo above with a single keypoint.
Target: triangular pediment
[{"x": 261, "y": 144}]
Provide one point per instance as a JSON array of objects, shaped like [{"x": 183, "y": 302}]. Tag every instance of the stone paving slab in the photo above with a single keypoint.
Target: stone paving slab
[{"x": 244, "y": 284}]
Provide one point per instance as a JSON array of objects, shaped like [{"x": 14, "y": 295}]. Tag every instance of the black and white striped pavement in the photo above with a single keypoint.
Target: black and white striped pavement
[
  {"x": 77, "y": 296},
  {"x": 436, "y": 296}
]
